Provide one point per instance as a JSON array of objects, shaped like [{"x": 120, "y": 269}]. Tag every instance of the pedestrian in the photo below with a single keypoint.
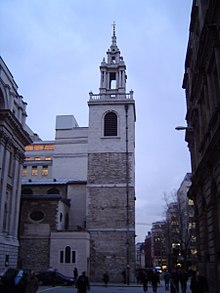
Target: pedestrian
[
  {"x": 124, "y": 276},
  {"x": 75, "y": 274},
  {"x": 105, "y": 279},
  {"x": 82, "y": 283},
  {"x": 32, "y": 283},
  {"x": 199, "y": 283},
  {"x": 145, "y": 282},
  {"x": 174, "y": 282},
  {"x": 166, "y": 278},
  {"x": 155, "y": 280},
  {"x": 183, "y": 277}
]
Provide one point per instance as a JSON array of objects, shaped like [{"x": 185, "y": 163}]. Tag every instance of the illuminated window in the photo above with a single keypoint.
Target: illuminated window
[
  {"x": 39, "y": 147},
  {"x": 29, "y": 148},
  {"x": 190, "y": 202},
  {"x": 34, "y": 171},
  {"x": 27, "y": 159},
  {"x": 45, "y": 170},
  {"x": 49, "y": 147},
  {"x": 24, "y": 171},
  {"x": 37, "y": 158},
  {"x": 48, "y": 158}
]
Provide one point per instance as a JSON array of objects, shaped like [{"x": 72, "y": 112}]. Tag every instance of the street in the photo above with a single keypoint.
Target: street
[{"x": 101, "y": 289}]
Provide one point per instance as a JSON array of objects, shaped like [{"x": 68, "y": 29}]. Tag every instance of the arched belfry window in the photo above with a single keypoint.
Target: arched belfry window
[
  {"x": 110, "y": 124},
  {"x": 53, "y": 191}
]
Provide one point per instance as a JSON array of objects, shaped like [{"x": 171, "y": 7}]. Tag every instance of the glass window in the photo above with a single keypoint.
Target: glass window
[
  {"x": 67, "y": 254},
  {"x": 49, "y": 147},
  {"x": 24, "y": 171},
  {"x": 37, "y": 158},
  {"x": 45, "y": 170},
  {"x": 37, "y": 215},
  {"x": 27, "y": 159},
  {"x": 34, "y": 171},
  {"x": 48, "y": 158},
  {"x": 110, "y": 124},
  {"x": 53, "y": 191},
  {"x": 29, "y": 148},
  {"x": 61, "y": 256},
  {"x": 73, "y": 256}
]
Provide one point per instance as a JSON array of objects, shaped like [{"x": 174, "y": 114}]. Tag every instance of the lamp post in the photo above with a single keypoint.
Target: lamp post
[{"x": 189, "y": 128}]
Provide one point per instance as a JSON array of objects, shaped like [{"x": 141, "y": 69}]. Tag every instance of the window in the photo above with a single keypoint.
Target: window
[
  {"x": 39, "y": 147},
  {"x": 37, "y": 158},
  {"x": 24, "y": 171},
  {"x": 53, "y": 191},
  {"x": 37, "y": 216},
  {"x": 112, "y": 80},
  {"x": 34, "y": 171},
  {"x": 48, "y": 158},
  {"x": 61, "y": 256},
  {"x": 27, "y": 191},
  {"x": 67, "y": 255},
  {"x": 45, "y": 170},
  {"x": 110, "y": 124}
]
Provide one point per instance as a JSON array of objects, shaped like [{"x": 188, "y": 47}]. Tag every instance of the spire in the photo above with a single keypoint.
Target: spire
[{"x": 113, "y": 35}]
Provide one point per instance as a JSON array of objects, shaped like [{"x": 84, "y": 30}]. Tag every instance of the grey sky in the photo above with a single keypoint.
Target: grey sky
[{"x": 54, "y": 49}]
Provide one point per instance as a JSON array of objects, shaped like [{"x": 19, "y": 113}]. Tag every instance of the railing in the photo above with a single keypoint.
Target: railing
[{"x": 111, "y": 96}]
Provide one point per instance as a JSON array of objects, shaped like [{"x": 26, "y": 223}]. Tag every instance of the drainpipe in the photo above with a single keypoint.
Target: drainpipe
[{"x": 127, "y": 199}]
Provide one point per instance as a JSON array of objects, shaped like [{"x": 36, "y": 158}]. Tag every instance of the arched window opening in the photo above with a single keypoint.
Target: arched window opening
[
  {"x": 112, "y": 81},
  {"x": 66, "y": 224},
  {"x": 67, "y": 254},
  {"x": 110, "y": 124},
  {"x": 27, "y": 191},
  {"x": 53, "y": 191}
]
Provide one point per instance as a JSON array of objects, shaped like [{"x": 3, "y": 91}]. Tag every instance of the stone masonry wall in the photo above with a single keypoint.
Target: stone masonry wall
[{"x": 112, "y": 236}]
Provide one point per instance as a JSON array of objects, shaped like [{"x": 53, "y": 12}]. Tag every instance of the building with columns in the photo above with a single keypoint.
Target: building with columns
[
  {"x": 202, "y": 87},
  {"x": 78, "y": 192},
  {"x": 13, "y": 139}
]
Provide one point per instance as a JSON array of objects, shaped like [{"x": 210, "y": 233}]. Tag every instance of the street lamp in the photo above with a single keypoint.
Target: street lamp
[{"x": 184, "y": 128}]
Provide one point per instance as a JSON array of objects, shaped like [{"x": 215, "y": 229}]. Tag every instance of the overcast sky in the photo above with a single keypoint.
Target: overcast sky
[{"x": 54, "y": 49}]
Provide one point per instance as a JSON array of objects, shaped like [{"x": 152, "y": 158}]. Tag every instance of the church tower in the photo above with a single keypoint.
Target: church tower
[{"x": 111, "y": 172}]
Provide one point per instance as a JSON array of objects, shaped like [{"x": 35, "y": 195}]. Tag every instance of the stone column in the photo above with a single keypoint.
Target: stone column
[
  {"x": 15, "y": 202},
  {"x": 19, "y": 161},
  {"x": 6, "y": 159}
]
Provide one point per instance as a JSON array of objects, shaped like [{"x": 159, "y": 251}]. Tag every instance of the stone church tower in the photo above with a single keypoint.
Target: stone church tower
[{"x": 111, "y": 170}]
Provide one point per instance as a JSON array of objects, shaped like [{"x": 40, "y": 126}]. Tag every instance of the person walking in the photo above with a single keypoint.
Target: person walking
[
  {"x": 105, "y": 279},
  {"x": 145, "y": 282},
  {"x": 32, "y": 283},
  {"x": 155, "y": 280},
  {"x": 75, "y": 274},
  {"x": 174, "y": 282},
  {"x": 183, "y": 277},
  {"x": 82, "y": 283},
  {"x": 166, "y": 278},
  {"x": 199, "y": 283}
]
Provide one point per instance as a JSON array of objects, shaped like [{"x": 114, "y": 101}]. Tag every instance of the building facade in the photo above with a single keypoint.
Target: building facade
[
  {"x": 202, "y": 86},
  {"x": 53, "y": 201},
  {"x": 78, "y": 192},
  {"x": 158, "y": 244},
  {"x": 13, "y": 139}
]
